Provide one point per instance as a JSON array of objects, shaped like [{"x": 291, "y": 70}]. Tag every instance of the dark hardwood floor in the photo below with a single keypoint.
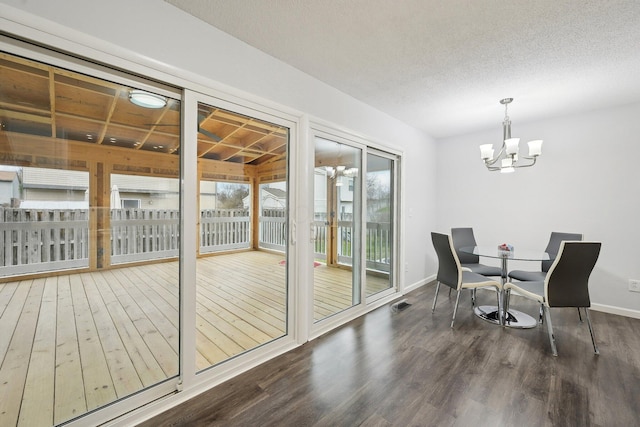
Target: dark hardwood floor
[{"x": 410, "y": 368}]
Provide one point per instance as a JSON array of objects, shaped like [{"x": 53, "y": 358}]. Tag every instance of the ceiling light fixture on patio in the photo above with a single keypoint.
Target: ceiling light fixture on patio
[
  {"x": 508, "y": 155},
  {"x": 147, "y": 99}
]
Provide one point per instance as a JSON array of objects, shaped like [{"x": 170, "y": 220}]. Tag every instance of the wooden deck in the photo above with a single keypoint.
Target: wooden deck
[{"x": 73, "y": 343}]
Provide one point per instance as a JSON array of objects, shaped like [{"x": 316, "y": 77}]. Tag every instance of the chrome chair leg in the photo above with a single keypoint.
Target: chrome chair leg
[
  {"x": 473, "y": 298},
  {"x": 552, "y": 338},
  {"x": 541, "y": 315},
  {"x": 435, "y": 298},
  {"x": 506, "y": 299},
  {"x": 593, "y": 337},
  {"x": 580, "y": 315},
  {"x": 501, "y": 312},
  {"x": 455, "y": 307}
]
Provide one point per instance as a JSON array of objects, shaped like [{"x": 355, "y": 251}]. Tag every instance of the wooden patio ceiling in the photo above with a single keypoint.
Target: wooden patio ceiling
[{"x": 46, "y": 101}]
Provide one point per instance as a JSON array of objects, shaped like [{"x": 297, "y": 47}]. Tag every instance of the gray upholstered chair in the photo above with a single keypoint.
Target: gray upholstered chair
[
  {"x": 565, "y": 285},
  {"x": 451, "y": 274},
  {"x": 463, "y": 236},
  {"x": 552, "y": 249}
]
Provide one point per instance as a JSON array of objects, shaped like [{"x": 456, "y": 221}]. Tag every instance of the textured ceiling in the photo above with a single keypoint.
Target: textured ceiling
[{"x": 443, "y": 66}]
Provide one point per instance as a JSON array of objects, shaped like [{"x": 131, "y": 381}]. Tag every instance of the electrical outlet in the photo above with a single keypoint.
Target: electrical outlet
[{"x": 634, "y": 285}]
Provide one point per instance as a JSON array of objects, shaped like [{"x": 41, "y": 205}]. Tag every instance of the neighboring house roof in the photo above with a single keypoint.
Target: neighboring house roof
[
  {"x": 8, "y": 176},
  {"x": 276, "y": 192},
  {"x": 276, "y": 195}
]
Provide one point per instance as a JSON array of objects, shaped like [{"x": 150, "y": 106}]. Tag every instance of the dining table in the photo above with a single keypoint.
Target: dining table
[{"x": 511, "y": 318}]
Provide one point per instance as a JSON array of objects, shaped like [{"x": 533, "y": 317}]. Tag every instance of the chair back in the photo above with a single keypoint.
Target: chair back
[
  {"x": 449, "y": 271},
  {"x": 567, "y": 282},
  {"x": 554, "y": 246},
  {"x": 463, "y": 236}
]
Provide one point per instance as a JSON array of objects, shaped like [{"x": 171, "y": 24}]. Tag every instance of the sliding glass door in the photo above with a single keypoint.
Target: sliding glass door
[
  {"x": 241, "y": 270},
  {"x": 337, "y": 227},
  {"x": 354, "y": 259},
  {"x": 380, "y": 223},
  {"x": 89, "y": 215}
]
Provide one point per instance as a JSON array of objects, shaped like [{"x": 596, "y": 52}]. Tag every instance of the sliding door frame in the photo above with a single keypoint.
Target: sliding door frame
[
  {"x": 329, "y": 131},
  {"x": 395, "y": 221}
]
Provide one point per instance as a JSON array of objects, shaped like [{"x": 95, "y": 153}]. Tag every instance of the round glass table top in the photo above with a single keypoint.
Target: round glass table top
[{"x": 515, "y": 254}]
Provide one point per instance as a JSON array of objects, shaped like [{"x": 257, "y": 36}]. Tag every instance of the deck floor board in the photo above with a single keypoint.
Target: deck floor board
[
  {"x": 92, "y": 338},
  {"x": 40, "y": 379},
  {"x": 14, "y": 371}
]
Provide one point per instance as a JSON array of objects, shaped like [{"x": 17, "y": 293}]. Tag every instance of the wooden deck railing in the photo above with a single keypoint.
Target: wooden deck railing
[
  {"x": 273, "y": 229},
  {"x": 33, "y": 241},
  {"x": 224, "y": 229},
  {"x": 144, "y": 234},
  {"x": 378, "y": 241}
]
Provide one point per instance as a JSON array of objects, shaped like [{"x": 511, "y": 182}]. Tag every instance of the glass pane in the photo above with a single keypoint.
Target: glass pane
[
  {"x": 241, "y": 289},
  {"x": 89, "y": 291},
  {"x": 336, "y": 228},
  {"x": 379, "y": 228},
  {"x": 145, "y": 218},
  {"x": 224, "y": 216},
  {"x": 273, "y": 202}
]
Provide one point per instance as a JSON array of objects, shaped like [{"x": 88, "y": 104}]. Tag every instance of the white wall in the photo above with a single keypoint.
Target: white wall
[
  {"x": 160, "y": 36},
  {"x": 587, "y": 180}
]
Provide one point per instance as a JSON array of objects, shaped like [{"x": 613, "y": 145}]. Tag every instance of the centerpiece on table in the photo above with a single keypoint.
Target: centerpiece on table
[{"x": 505, "y": 249}]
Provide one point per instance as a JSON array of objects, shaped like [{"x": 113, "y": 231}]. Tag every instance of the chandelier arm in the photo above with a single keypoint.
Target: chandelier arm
[
  {"x": 497, "y": 157},
  {"x": 527, "y": 165}
]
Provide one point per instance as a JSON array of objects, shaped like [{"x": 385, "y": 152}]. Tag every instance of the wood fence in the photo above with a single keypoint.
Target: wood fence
[
  {"x": 36, "y": 240},
  {"x": 144, "y": 234},
  {"x": 224, "y": 229},
  {"x": 273, "y": 229}
]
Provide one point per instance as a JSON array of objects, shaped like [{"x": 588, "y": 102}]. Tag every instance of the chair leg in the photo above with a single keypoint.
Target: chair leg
[
  {"x": 505, "y": 301},
  {"x": 455, "y": 307},
  {"x": 435, "y": 298},
  {"x": 593, "y": 337},
  {"x": 541, "y": 315},
  {"x": 579, "y": 315},
  {"x": 500, "y": 307},
  {"x": 552, "y": 338}
]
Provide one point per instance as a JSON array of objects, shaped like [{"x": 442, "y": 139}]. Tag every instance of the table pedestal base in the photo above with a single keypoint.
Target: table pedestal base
[{"x": 513, "y": 319}]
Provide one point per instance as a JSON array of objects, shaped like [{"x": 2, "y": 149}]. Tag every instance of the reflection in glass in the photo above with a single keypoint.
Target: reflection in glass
[{"x": 336, "y": 227}]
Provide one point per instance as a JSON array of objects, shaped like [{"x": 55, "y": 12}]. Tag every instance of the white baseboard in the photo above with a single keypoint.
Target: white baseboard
[
  {"x": 627, "y": 312},
  {"x": 418, "y": 284}
]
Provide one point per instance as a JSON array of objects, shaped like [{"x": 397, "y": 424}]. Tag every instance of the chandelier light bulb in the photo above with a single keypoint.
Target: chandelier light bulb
[
  {"x": 512, "y": 145},
  {"x": 535, "y": 147},
  {"x": 486, "y": 151}
]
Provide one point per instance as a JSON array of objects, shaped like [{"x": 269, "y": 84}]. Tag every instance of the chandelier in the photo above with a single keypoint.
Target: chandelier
[
  {"x": 338, "y": 171},
  {"x": 507, "y": 159}
]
